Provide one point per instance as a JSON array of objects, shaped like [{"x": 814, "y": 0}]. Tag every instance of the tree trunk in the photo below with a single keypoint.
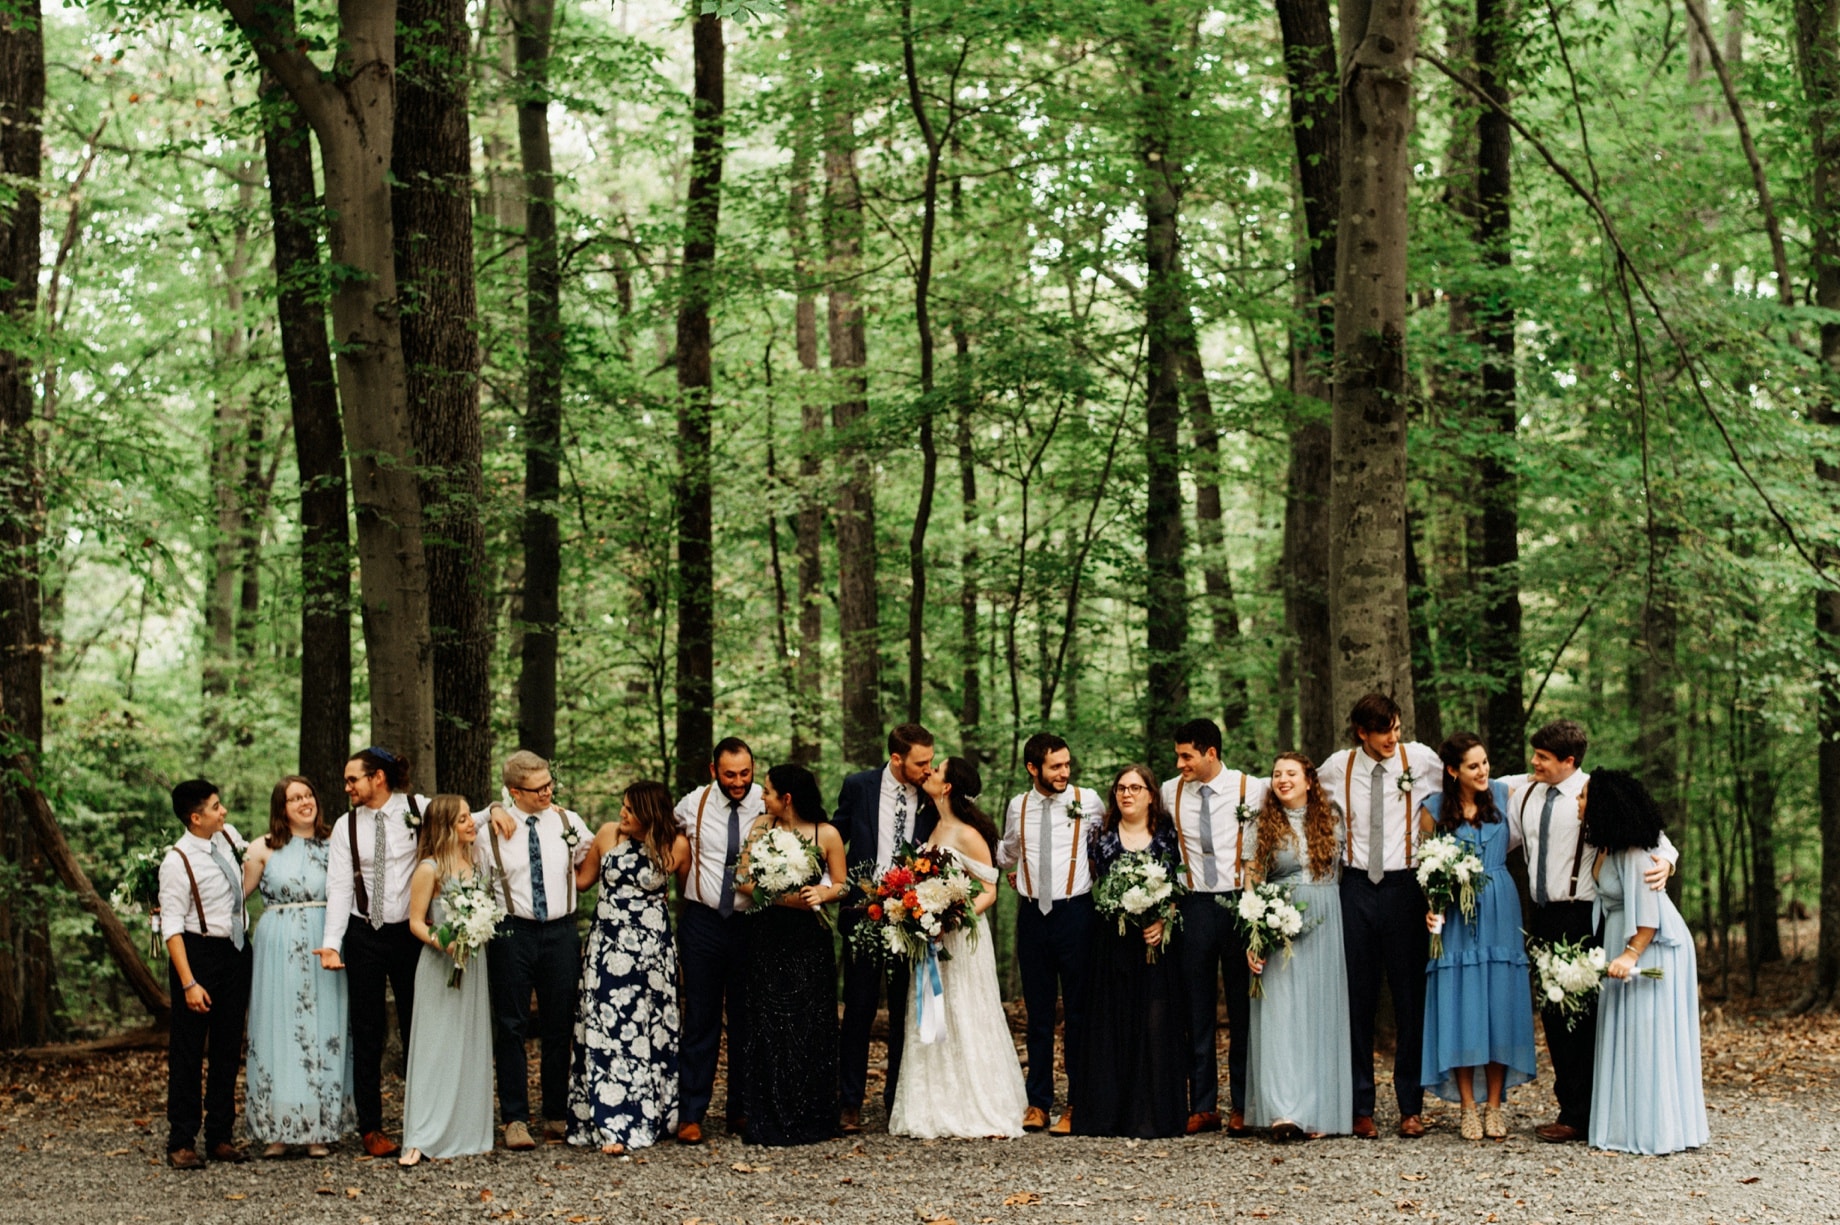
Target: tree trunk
[
  {"x": 695, "y": 435},
  {"x": 807, "y": 724},
  {"x": 1216, "y": 573},
  {"x": 28, "y": 980},
  {"x": 230, "y": 424},
  {"x": 1316, "y": 125},
  {"x": 1652, "y": 681},
  {"x": 319, "y": 455},
  {"x": 1425, "y": 662},
  {"x": 971, "y": 686},
  {"x": 433, "y": 209},
  {"x": 541, "y": 609},
  {"x": 352, "y": 112},
  {"x": 1755, "y": 772},
  {"x": 1367, "y": 520}
]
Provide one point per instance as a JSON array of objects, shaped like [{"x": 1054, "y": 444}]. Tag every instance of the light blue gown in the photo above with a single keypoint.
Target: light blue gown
[
  {"x": 1299, "y": 1067},
  {"x": 447, "y": 1091},
  {"x": 1647, "y": 1096},
  {"x": 299, "y": 1056},
  {"x": 1478, "y": 1005}
]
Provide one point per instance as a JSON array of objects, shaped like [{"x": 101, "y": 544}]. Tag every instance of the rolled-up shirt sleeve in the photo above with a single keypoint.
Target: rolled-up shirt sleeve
[
  {"x": 175, "y": 895},
  {"x": 1009, "y": 843}
]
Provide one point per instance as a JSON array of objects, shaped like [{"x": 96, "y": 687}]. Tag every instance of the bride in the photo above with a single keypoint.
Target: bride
[{"x": 969, "y": 1083}]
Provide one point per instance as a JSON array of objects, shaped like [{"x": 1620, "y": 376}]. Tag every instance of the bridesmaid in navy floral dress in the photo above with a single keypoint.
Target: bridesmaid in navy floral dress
[{"x": 623, "y": 1076}]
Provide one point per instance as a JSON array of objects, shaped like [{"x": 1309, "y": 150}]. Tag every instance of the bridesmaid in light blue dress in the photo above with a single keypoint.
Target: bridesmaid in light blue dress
[
  {"x": 299, "y": 1063},
  {"x": 1299, "y": 1073},
  {"x": 447, "y": 1089},
  {"x": 1648, "y": 1095}
]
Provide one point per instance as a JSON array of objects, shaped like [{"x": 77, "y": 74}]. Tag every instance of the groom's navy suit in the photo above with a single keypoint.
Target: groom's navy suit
[{"x": 858, "y": 819}]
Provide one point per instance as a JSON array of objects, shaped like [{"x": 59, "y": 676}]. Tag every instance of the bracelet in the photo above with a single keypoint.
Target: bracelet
[{"x": 188, "y": 986}]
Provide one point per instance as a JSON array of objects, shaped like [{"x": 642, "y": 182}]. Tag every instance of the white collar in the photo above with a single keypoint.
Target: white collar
[
  {"x": 192, "y": 842},
  {"x": 1573, "y": 784},
  {"x": 890, "y": 782}
]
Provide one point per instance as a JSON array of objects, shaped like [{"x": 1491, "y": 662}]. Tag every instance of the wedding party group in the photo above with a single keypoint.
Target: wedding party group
[{"x": 1140, "y": 903}]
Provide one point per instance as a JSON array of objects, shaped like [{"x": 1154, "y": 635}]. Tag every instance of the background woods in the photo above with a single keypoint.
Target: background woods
[{"x": 605, "y": 378}]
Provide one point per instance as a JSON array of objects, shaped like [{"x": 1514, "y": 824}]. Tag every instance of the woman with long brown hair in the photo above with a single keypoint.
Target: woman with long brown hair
[
  {"x": 1299, "y": 1077},
  {"x": 623, "y": 1072}
]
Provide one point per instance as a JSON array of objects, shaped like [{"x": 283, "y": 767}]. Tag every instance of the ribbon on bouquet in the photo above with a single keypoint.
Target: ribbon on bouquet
[{"x": 931, "y": 1000}]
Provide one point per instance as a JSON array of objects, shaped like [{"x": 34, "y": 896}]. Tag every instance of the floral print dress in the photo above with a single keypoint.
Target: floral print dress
[{"x": 623, "y": 1075}]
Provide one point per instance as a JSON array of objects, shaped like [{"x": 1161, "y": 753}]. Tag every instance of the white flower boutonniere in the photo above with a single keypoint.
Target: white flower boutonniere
[
  {"x": 412, "y": 816},
  {"x": 570, "y": 834},
  {"x": 1243, "y": 812},
  {"x": 1408, "y": 783}
]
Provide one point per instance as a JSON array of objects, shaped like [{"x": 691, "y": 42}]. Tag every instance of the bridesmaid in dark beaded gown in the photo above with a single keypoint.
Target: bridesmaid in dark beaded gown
[
  {"x": 791, "y": 1094},
  {"x": 1134, "y": 1067}
]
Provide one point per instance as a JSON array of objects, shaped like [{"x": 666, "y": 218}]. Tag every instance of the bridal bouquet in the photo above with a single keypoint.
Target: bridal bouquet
[
  {"x": 1570, "y": 974},
  {"x": 138, "y": 894},
  {"x": 473, "y": 914},
  {"x": 779, "y": 862},
  {"x": 913, "y": 902},
  {"x": 1449, "y": 871},
  {"x": 1270, "y": 916},
  {"x": 1139, "y": 890}
]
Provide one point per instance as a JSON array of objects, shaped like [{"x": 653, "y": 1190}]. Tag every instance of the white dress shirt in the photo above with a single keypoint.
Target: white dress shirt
[
  {"x": 221, "y": 899},
  {"x": 1071, "y": 817},
  {"x": 1347, "y": 780},
  {"x": 885, "y": 839},
  {"x": 509, "y": 860},
  {"x": 1231, "y": 839},
  {"x": 399, "y": 838},
  {"x": 703, "y": 817},
  {"x": 1526, "y": 801}
]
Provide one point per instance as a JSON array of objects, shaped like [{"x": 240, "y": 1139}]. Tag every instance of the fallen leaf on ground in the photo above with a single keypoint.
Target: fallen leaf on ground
[{"x": 1021, "y": 1199}]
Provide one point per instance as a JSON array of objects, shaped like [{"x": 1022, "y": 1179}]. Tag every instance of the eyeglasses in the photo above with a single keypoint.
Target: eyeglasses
[
  {"x": 1130, "y": 789},
  {"x": 548, "y": 788}
]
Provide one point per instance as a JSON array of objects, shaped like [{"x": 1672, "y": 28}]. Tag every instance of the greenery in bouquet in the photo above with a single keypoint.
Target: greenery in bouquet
[
  {"x": 1451, "y": 873},
  {"x": 137, "y": 896},
  {"x": 777, "y": 862},
  {"x": 1271, "y": 917},
  {"x": 473, "y": 913},
  {"x": 1138, "y": 890},
  {"x": 913, "y": 903}
]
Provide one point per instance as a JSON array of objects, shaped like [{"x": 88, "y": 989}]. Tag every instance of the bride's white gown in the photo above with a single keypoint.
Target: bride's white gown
[{"x": 969, "y": 1083}]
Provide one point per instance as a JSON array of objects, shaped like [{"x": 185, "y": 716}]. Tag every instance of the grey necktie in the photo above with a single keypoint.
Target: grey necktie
[
  {"x": 236, "y": 893},
  {"x": 1539, "y": 872},
  {"x": 1376, "y": 823},
  {"x": 1209, "y": 872},
  {"x": 1044, "y": 862},
  {"x": 726, "y": 904},
  {"x": 376, "y": 898},
  {"x": 900, "y": 815}
]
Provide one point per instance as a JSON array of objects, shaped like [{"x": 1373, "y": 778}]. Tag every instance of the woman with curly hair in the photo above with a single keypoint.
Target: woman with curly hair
[
  {"x": 1648, "y": 1096},
  {"x": 1299, "y": 1073}
]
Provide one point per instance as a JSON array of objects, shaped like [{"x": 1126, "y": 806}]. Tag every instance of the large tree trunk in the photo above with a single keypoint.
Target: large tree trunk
[
  {"x": 808, "y": 669},
  {"x": 1756, "y": 770},
  {"x": 28, "y": 992},
  {"x": 1368, "y": 618},
  {"x": 433, "y": 208},
  {"x": 1316, "y": 125},
  {"x": 352, "y": 112},
  {"x": 696, "y": 690}
]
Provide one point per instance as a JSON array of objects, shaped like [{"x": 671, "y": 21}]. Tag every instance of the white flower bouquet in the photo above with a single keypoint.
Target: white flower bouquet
[
  {"x": 138, "y": 894},
  {"x": 1570, "y": 974},
  {"x": 473, "y": 915},
  {"x": 1451, "y": 873},
  {"x": 1138, "y": 890},
  {"x": 778, "y": 862},
  {"x": 1271, "y": 917}
]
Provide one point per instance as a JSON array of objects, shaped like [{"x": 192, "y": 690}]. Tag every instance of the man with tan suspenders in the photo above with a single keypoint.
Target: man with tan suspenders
[
  {"x": 1379, "y": 785},
  {"x": 711, "y": 941},
  {"x": 1044, "y": 850},
  {"x": 1212, "y": 806}
]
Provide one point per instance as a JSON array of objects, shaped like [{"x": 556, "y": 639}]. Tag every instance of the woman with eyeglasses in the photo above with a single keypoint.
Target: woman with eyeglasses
[{"x": 1132, "y": 1077}]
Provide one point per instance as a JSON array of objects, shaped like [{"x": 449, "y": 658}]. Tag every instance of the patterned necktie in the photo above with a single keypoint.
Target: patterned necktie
[
  {"x": 539, "y": 897},
  {"x": 725, "y": 905},
  {"x": 1376, "y": 823},
  {"x": 1539, "y": 877},
  {"x": 377, "y": 819},
  {"x": 236, "y": 894},
  {"x": 1044, "y": 862},
  {"x": 1210, "y": 873},
  {"x": 900, "y": 814}
]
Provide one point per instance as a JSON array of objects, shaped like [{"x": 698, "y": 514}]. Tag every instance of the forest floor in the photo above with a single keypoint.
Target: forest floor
[{"x": 81, "y": 1140}]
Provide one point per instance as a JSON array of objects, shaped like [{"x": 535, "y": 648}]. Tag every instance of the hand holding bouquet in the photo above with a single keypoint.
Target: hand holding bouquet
[
  {"x": 914, "y": 902},
  {"x": 1570, "y": 974},
  {"x": 1449, "y": 871},
  {"x": 473, "y": 913},
  {"x": 138, "y": 894},
  {"x": 1139, "y": 891},
  {"x": 1271, "y": 917},
  {"x": 777, "y": 862}
]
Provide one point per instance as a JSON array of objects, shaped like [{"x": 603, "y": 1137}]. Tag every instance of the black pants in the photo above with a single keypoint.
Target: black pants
[
  {"x": 714, "y": 952},
  {"x": 1212, "y": 950},
  {"x": 1573, "y": 1049},
  {"x": 374, "y": 958},
  {"x": 526, "y": 956},
  {"x": 1051, "y": 954},
  {"x": 1383, "y": 931},
  {"x": 223, "y": 971},
  {"x": 863, "y": 979}
]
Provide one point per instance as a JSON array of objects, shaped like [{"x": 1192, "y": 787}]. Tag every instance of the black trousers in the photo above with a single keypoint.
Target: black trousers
[
  {"x": 1383, "y": 932},
  {"x": 864, "y": 977},
  {"x": 376, "y": 958},
  {"x": 1051, "y": 954},
  {"x": 714, "y": 952},
  {"x": 223, "y": 971},
  {"x": 1573, "y": 1049},
  {"x": 1213, "y": 950},
  {"x": 526, "y": 956}
]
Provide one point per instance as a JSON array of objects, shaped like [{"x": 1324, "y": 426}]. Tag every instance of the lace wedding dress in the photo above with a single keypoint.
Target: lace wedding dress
[{"x": 969, "y": 1083}]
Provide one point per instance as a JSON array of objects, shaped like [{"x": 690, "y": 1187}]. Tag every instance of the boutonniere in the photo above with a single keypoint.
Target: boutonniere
[
  {"x": 412, "y": 817},
  {"x": 570, "y": 834},
  {"x": 1243, "y": 812},
  {"x": 1408, "y": 783}
]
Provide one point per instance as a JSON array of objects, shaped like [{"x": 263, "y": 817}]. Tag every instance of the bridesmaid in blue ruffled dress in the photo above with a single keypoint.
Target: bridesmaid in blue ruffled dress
[
  {"x": 1648, "y": 1095},
  {"x": 1478, "y": 1009},
  {"x": 623, "y": 1074},
  {"x": 299, "y": 1063}
]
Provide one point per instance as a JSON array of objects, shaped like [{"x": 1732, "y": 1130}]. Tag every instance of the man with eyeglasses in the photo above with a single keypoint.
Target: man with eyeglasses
[{"x": 536, "y": 947}]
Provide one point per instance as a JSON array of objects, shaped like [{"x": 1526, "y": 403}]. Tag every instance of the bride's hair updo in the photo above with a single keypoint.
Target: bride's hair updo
[{"x": 967, "y": 784}]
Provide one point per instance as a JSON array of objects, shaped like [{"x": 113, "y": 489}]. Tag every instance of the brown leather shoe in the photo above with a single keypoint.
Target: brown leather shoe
[
  {"x": 690, "y": 1133},
  {"x": 379, "y": 1145},
  {"x": 228, "y": 1153},
  {"x": 185, "y": 1159},
  {"x": 1411, "y": 1127},
  {"x": 1236, "y": 1123},
  {"x": 849, "y": 1120},
  {"x": 1063, "y": 1126},
  {"x": 1203, "y": 1120},
  {"x": 1034, "y": 1119},
  {"x": 1364, "y": 1128},
  {"x": 1558, "y": 1133}
]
